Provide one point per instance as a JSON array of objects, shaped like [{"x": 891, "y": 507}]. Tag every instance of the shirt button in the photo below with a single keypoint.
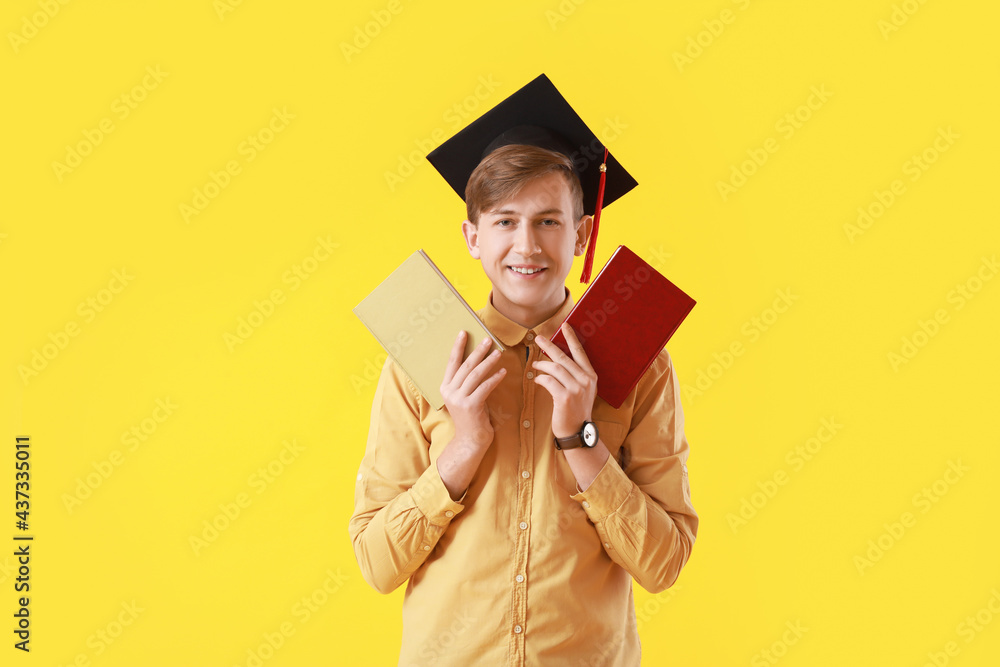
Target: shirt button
[
  {"x": 519, "y": 578},
  {"x": 449, "y": 513},
  {"x": 607, "y": 545},
  {"x": 530, "y": 375},
  {"x": 530, "y": 336},
  {"x": 585, "y": 504},
  {"x": 359, "y": 476},
  {"x": 427, "y": 547},
  {"x": 523, "y": 525},
  {"x": 525, "y": 474},
  {"x": 526, "y": 423},
  {"x": 517, "y": 629}
]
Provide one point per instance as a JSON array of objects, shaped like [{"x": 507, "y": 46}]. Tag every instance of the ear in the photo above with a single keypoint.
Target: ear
[
  {"x": 471, "y": 234},
  {"x": 583, "y": 228}
]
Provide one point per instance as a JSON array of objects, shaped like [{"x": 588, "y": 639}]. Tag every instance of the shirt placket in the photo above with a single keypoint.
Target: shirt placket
[{"x": 522, "y": 514}]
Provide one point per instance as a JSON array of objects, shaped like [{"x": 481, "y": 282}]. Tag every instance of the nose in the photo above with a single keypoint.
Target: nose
[{"x": 525, "y": 243}]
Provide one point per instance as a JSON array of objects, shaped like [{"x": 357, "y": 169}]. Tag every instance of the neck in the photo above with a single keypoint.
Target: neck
[{"x": 527, "y": 317}]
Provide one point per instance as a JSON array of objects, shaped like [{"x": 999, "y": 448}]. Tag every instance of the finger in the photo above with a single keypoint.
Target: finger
[
  {"x": 481, "y": 370},
  {"x": 561, "y": 358},
  {"x": 560, "y": 373},
  {"x": 553, "y": 351},
  {"x": 549, "y": 384},
  {"x": 455, "y": 358},
  {"x": 576, "y": 348},
  {"x": 474, "y": 358},
  {"x": 486, "y": 388}
]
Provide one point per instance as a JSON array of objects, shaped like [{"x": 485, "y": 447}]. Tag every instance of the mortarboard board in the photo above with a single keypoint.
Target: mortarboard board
[{"x": 538, "y": 115}]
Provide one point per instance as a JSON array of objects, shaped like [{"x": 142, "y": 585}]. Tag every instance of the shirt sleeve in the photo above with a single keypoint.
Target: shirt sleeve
[
  {"x": 401, "y": 506},
  {"x": 645, "y": 517}
]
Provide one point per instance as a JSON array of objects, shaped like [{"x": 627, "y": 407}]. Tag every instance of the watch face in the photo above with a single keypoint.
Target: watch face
[{"x": 589, "y": 434}]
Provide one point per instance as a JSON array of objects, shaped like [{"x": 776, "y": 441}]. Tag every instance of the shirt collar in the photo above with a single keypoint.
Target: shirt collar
[{"x": 511, "y": 333}]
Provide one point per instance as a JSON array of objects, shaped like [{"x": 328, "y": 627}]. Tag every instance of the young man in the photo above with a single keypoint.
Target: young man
[{"x": 521, "y": 511}]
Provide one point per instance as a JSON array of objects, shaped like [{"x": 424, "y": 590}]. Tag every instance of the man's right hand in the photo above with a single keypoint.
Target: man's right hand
[{"x": 465, "y": 388}]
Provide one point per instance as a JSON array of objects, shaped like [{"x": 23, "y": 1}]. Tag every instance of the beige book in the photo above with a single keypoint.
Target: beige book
[{"x": 416, "y": 315}]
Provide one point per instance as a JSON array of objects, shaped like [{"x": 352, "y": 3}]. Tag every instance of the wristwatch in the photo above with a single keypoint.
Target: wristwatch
[{"x": 587, "y": 437}]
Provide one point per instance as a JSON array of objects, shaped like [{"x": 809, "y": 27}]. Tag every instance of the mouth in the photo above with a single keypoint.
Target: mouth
[{"x": 527, "y": 272}]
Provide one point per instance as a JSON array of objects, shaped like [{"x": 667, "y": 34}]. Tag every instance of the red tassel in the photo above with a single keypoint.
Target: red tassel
[{"x": 588, "y": 262}]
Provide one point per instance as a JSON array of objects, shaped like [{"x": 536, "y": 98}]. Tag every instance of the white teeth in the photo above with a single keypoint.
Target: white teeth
[{"x": 526, "y": 271}]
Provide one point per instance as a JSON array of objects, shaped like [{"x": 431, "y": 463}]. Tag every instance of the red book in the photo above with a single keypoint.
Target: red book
[{"x": 624, "y": 319}]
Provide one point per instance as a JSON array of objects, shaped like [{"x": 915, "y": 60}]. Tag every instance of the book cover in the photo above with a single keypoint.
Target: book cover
[
  {"x": 623, "y": 320},
  {"x": 415, "y": 314}
]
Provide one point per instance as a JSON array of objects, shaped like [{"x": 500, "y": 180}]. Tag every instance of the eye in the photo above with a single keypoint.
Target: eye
[
  {"x": 504, "y": 222},
  {"x": 549, "y": 222}
]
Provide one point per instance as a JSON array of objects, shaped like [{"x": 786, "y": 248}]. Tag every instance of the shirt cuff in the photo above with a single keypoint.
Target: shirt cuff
[
  {"x": 606, "y": 493},
  {"x": 431, "y": 497}
]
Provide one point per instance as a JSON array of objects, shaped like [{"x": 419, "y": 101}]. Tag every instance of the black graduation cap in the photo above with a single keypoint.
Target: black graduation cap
[{"x": 538, "y": 115}]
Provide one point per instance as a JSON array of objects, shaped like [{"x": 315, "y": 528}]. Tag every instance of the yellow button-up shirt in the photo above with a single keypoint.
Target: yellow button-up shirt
[{"x": 525, "y": 569}]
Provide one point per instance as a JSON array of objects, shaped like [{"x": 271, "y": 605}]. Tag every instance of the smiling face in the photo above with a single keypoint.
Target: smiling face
[{"x": 526, "y": 245}]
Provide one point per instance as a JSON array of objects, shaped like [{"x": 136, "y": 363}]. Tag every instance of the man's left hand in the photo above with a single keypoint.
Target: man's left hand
[{"x": 572, "y": 383}]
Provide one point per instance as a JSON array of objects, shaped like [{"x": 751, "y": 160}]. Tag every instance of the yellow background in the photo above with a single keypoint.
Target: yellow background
[{"x": 360, "y": 114}]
